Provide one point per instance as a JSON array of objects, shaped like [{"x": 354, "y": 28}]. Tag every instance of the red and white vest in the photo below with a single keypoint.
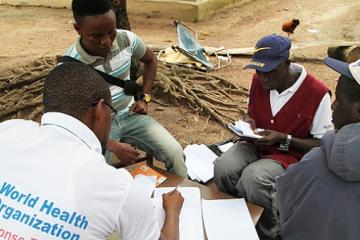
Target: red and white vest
[{"x": 294, "y": 118}]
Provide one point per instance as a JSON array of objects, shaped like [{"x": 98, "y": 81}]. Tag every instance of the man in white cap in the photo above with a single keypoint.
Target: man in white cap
[{"x": 319, "y": 197}]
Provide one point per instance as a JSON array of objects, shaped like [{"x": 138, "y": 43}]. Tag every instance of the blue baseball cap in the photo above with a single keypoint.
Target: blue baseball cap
[
  {"x": 269, "y": 52},
  {"x": 351, "y": 70}
]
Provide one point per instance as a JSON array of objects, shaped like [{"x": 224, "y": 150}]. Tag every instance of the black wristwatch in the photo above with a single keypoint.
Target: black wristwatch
[{"x": 284, "y": 146}]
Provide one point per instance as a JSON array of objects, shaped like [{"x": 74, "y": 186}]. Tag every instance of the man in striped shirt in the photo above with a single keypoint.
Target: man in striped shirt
[{"x": 110, "y": 50}]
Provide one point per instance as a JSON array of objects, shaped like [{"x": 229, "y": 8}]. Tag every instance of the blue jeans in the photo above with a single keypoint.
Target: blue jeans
[{"x": 150, "y": 136}]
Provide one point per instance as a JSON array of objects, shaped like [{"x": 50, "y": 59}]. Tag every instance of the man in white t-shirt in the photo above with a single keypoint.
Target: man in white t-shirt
[
  {"x": 54, "y": 181},
  {"x": 294, "y": 108}
]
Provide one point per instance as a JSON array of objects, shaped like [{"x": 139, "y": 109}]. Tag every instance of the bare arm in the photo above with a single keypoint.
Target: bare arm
[
  {"x": 150, "y": 68},
  {"x": 301, "y": 145},
  {"x": 172, "y": 204},
  {"x": 272, "y": 137}
]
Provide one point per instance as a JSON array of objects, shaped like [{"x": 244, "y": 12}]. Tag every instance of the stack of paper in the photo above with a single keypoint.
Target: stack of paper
[
  {"x": 243, "y": 129},
  {"x": 228, "y": 219},
  {"x": 199, "y": 162},
  {"x": 191, "y": 225},
  {"x": 226, "y": 146}
]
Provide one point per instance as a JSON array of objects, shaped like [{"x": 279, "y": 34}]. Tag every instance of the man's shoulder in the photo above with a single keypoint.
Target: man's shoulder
[
  {"x": 16, "y": 125},
  {"x": 124, "y": 38},
  {"x": 315, "y": 83},
  {"x": 71, "y": 50}
]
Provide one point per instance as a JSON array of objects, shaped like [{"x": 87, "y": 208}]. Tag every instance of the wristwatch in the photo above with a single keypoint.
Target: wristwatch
[
  {"x": 284, "y": 146},
  {"x": 145, "y": 97}
]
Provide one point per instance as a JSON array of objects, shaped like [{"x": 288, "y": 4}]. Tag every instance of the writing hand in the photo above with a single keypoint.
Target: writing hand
[{"x": 172, "y": 202}]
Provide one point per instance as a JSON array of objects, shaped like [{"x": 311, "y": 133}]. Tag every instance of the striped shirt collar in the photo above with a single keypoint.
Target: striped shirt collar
[{"x": 90, "y": 59}]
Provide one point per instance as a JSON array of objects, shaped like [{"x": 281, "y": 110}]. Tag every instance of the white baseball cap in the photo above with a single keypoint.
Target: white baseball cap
[{"x": 351, "y": 70}]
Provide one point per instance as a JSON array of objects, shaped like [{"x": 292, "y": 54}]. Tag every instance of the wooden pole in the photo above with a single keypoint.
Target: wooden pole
[
  {"x": 345, "y": 53},
  {"x": 122, "y": 20}
]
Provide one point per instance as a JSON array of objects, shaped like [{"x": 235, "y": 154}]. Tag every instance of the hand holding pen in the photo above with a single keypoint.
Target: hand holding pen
[
  {"x": 175, "y": 189},
  {"x": 173, "y": 201}
]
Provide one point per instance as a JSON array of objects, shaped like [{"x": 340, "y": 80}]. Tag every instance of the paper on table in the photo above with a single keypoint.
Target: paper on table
[
  {"x": 199, "y": 162},
  {"x": 191, "y": 226},
  {"x": 228, "y": 219},
  {"x": 223, "y": 148},
  {"x": 147, "y": 182},
  {"x": 243, "y": 129}
]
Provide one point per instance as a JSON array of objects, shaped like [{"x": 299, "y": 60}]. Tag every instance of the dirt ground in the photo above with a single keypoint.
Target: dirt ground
[{"x": 31, "y": 32}]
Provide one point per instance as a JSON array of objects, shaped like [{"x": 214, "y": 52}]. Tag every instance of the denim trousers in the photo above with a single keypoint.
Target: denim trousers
[{"x": 150, "y": 136}]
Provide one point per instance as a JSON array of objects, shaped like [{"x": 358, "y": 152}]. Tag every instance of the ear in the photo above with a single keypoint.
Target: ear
[
  {"x": 99, "y": 110},
  {"x": 77, "y": 28}
]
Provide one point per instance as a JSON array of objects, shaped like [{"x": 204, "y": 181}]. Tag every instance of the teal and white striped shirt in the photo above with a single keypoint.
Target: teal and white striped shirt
[{"x": 126, "y": 45}]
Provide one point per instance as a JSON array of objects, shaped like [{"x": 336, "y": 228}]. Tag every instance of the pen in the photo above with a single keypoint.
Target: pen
[{"x": 175, "y": 189}]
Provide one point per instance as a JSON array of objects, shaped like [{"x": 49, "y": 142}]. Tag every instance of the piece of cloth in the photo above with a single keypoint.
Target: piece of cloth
[
  {"x": 241, "y": 173},
  {"x": 151, "y": 137},
  {"x": 322, "y": 120},
  {"x": 55, "y": 183},
  {"x": 190, "y": 47},
  {"x": 318, "y": 197},
  {"x": 296, "y": 117},
  {"x": 169, "y": 55},
  {"x": 127, "y": 45}
]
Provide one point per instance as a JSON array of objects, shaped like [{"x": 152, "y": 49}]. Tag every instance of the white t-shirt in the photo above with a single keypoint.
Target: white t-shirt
[
  {"x": 55, "y": 184},
  {"x": 323, "y": 117}
]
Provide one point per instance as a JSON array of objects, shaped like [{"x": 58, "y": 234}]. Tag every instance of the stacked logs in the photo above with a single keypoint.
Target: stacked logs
[
  {"x": 21, "y": 91},
  {"x": 202, "y": 92}
]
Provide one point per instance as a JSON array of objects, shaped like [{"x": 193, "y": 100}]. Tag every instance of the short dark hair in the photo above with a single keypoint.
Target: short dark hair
[
  {"x": 72, "y": 88},
  {"x": 83, "y": 8},
  {"x": 350, "y": 87}
]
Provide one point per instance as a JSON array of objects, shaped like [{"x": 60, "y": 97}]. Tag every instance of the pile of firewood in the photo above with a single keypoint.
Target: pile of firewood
[{"x": 21, "y": 91}]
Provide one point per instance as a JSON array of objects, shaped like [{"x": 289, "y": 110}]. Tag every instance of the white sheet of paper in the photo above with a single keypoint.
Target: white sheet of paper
[
  {"x": 147, "y": 182},
  {"x": 223, "y": 148},
  {"x": 228, "y": 219},
  {"x": 191, "y": 225},
  {"x": 243, "y": 129},
  {"x": 199, "y": 161}
]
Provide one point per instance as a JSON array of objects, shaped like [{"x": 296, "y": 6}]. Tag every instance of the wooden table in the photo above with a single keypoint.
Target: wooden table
[{"x": 207, "y": 193}]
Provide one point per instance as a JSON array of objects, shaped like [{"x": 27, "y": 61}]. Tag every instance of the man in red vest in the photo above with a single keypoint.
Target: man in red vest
[{"x": 294, "y": 109}]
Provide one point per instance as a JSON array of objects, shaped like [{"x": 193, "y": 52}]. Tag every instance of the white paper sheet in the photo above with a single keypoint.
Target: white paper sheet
[
  {"x": 243, "y": 129},
  {"x": 199, "y": 162},
  {"x": 147, "y": 182},
  {"x": 228, "y": 219},
  {"x": 223, "y": 148},
  {"x": 191, "y": 226}
]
